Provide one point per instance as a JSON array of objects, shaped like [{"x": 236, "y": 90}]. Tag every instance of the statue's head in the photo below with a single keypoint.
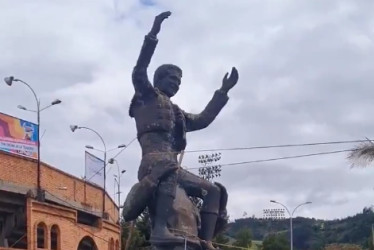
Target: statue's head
[{"x": 167, "y": 79}]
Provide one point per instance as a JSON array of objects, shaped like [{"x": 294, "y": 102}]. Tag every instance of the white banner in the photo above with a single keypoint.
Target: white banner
[{"x": 94, "y": 169}]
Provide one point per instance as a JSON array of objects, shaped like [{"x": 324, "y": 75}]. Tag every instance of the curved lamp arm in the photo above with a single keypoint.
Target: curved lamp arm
[
  {"x": 288, "y": 211},
  {"x": 101, "y": 138},
  {"x": 305, "y": 203}
]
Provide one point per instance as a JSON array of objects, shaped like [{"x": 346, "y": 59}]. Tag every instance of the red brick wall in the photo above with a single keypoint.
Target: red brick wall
[
  {"x": 71, "y": 233},
  {"x": 17, "y": 170},
  {"x": 22, "y": 172}
]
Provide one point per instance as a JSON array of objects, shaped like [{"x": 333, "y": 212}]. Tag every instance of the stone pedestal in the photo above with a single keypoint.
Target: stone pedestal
[{"x": 190, "y": 245}]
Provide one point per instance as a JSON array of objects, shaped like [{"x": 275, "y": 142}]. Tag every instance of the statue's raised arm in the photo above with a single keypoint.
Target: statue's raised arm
[
  {"x": 139, "y": 74},
  {"x": 215, "y": 105}
]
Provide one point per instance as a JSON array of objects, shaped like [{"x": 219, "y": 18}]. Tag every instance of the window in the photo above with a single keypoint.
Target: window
[
  {"x": 117, "y": 245},
  {"x": 41, "y": 235},
  {"x": 111, "y": 244},
  {"x": 87, "y": 243},
  {"x": 55, "y": 238}
]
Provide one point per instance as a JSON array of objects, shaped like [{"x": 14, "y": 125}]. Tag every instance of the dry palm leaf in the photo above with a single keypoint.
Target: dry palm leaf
[{"x": 362, "y": 155}]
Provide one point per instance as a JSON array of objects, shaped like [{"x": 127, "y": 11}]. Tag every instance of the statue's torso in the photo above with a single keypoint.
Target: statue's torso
[
  {"x": 160, "y": 123},
  {"x": 152, "y": 113}
]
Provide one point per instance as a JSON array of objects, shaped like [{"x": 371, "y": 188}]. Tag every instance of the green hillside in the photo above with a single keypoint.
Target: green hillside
[{"x": 312, "y": 233}]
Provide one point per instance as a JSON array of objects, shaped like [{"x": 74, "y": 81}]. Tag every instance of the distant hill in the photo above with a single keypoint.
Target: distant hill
[{"x": 312, "y": 233}]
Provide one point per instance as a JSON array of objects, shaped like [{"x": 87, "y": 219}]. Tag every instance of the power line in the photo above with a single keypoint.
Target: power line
[
  {"x": 78, "y": 208},
  {"x": 113, "y": 158},
  {"x": 86, "y": 180},
  {"x": 278, "y": 146},
  {"x": 281, "y": 158}
]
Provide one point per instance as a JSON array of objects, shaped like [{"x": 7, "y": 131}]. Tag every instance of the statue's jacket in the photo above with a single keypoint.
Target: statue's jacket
[{"x": 154, "y": 112}]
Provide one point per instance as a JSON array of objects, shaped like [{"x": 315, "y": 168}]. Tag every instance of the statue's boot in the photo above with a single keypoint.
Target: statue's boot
[
  {"x": 208, "y": 224},
  {"x": 160, "y": 232}
]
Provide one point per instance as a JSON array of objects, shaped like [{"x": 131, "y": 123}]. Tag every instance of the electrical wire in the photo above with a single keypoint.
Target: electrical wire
[
  {"x": 186, "y": 235},
  {"x": 78, "y": 208},
  {"x": 241, "y": 163},
  {"x": 281, "y": 158},
  {"x": 76, "y": 223},
  {"x": 278, "y": 146},
  {"x": 113, "y": 158},
  {"x": 15, "y": 243}
]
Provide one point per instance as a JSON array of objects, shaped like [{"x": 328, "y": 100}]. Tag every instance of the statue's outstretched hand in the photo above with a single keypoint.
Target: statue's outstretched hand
[
  {"x": 229, "y": 82},
  {"x": 157, "y": 23}
]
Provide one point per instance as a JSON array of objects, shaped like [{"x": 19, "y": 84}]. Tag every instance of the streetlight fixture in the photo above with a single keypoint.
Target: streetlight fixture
[
  {"x": 291, "y": 215},
  {"x": 9, "y": 81},
  {"x": 21, "y": 107},
  {"x": 119, "y": 146},
  {"x": 73, "y": 128},
  {"x": 117, "y": 179}
]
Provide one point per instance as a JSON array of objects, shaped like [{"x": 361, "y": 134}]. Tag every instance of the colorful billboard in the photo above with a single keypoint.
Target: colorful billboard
[
  {"x": 18, "y": 136},
  {"x": 94, "y": 169}
]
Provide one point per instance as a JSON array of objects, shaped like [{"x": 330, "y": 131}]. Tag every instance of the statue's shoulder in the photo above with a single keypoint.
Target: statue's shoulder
[{"x": 141, "y": 98}]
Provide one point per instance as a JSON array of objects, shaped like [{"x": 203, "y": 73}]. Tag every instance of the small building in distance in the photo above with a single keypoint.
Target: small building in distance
[{"x": 68, "y": 216}]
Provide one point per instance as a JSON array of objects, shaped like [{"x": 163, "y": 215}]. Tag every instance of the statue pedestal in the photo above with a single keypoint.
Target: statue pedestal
[
  {"x": 189, "y": 245},
  {"x": 183, "y": 221}
]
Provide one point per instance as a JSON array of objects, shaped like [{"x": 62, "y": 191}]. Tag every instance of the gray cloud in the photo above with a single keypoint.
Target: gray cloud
[{"x": 305, "y": 76}]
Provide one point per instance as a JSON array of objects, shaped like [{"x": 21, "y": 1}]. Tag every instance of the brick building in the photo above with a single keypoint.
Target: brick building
[{"x": 69, "y": 217}]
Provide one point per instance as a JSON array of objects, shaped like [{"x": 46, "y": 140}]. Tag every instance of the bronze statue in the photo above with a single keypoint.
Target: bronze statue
[{"x": 162, "y": 127}]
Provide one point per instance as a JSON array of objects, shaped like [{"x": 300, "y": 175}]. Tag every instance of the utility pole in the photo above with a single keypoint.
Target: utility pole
[
  {"x": 73, "y": 128},
  {"x": 9, "y": 81},
  {"x": 117, "y": 179}
]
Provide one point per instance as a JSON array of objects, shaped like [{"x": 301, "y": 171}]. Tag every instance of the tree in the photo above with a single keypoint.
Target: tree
[
  {"x": 139, "y": 231},
  {"x": 134, "y": 241},
  {"x": 275, "y": 242},
  {"x": 243, "y": 238},
  {"x": 222, "y": 239}
]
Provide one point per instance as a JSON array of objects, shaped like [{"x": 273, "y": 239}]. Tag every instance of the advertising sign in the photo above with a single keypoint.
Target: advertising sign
[
  {"x": 94, "y": 169},
  {"x": 18, "y": 136}
]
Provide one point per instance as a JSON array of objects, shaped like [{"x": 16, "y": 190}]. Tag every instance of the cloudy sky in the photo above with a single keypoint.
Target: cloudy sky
[{"x": 306, "y": 75}]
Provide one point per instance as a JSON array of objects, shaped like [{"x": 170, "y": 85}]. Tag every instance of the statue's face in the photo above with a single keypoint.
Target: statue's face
[{"x": 170, "y": 83}]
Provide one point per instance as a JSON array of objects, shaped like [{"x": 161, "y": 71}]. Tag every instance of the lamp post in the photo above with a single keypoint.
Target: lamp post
[
  {"x": 291, "y": 215},
  {"x": 105, "y": 151},
  {"x": 117, "y": 179},
  {"x": 9, "y": 81}
]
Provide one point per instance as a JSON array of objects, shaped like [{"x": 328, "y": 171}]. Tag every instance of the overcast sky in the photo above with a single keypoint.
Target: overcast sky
[{"x": 306, "y": 75}]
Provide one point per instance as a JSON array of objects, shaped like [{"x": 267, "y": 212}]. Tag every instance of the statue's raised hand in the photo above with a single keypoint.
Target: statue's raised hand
[
  {"x": 229, "y": 81},
  {"x": 157, "y": 23}
]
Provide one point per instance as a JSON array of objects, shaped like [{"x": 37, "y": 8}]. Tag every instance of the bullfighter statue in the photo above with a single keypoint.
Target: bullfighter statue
[{"x": 161, "y": 131}]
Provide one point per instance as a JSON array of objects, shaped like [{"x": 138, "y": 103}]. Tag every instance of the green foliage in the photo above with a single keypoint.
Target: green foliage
[
  {"x": 311, "y": 233},
  {"x": 243, "y": 238},
  {"x": 275, "y": 242},
  {"x": 140, "y": 233},
  {"x": 222, "y": 239}
]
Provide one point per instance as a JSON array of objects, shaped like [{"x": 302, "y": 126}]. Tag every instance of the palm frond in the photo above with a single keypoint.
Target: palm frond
[{"x": 362, "y": 155}]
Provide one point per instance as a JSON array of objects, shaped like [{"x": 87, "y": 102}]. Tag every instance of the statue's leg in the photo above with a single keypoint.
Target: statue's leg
[
  {"x": 210, "y": 194},
  {"x": 164, "y": 203}
]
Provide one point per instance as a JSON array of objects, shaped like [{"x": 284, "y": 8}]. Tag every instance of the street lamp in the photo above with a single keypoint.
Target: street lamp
[
  {"x": 9, "y": 81},
  {"x": 119, "y": 146},
  {"x": 291, "y": 215},
  {"x": 73, "y": 128},
  {"x": 117, "y": 179}
]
